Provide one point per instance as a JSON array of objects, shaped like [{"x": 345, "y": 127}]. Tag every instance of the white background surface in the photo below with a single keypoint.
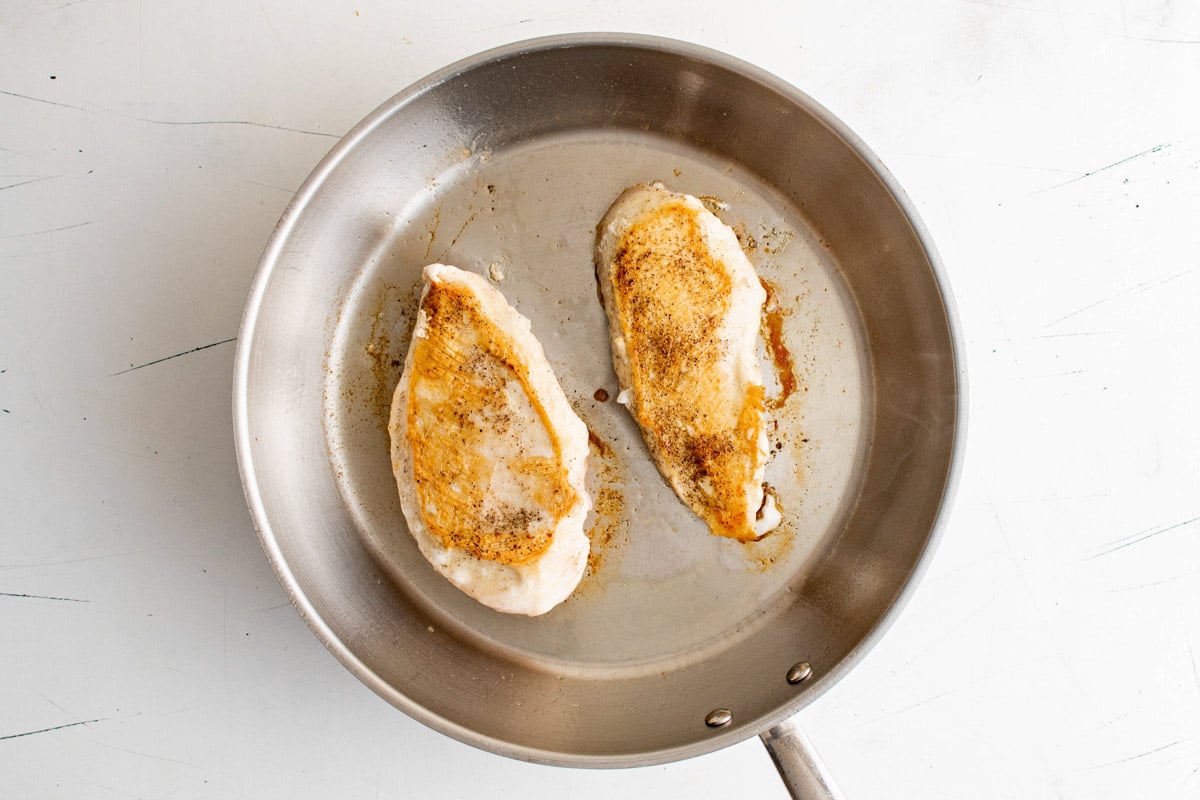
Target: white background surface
[{"x": 146, "y": 151}]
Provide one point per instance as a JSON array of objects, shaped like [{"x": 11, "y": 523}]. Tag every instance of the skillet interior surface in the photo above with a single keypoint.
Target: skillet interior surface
[{"x": 503, "y": 165}]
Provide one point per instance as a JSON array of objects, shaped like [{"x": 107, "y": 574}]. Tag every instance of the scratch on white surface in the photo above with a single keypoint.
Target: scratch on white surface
[
  {"x": 51, "y": 702},
  {"x": 378, "y": 768},
  {"x": 1030, "y": 594},
  {"x": 271, "y": 186},
  {"x": 854, "y": 63},
  {"x": 1011, "y": 553},
  {"x": 1141, "y": 536},
  {"x": 44, "y": 597},
  {"x": 1136, "y": 756},
  {"x": 270, "y": 25},
  {"x": 230, "y": 122},
  {"x": 898, "y": 711},
  {"x": 1077, "y": 333},
  {"x": 176, "y": 355},
  {"x": 47, "y": 102},
  {"x": 48, "y": 730},
  {"x": 148, "y": 755},
  {"x": 1146, "y": 285},
  {"x": 1159, "y": 582},
  {"x": 48, "y": 230},
  {"x": 152, "y": 121},
  {"x": 271, "y": 608},
  {"x": 26, "y": 183},
  {"x": 524, "y": 21},
  {"x": 1120, "y": 718},
  {"x": 1097, "y": 171}
]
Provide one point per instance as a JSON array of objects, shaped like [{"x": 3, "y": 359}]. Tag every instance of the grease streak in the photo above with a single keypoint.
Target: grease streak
[{"x": 781, "y": 357}]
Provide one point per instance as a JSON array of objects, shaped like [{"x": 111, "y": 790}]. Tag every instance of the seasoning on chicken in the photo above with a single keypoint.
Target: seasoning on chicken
[
  {"x": 684, "y": 307},
  {"x": 489, "y": 457}
]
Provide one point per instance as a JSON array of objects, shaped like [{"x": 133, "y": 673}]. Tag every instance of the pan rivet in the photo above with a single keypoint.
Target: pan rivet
[
  {"x": 718, "y": 718},
  {"x": 799, "y": 673}
]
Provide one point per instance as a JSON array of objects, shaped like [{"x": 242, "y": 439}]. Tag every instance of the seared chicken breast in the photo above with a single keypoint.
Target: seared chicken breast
[
  {"x": 488, "y": 455},
  {"x": 684, "y": 308}
]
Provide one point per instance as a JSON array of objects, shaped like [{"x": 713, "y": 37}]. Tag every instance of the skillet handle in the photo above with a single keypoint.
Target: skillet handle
[{"x": 801, "y": 769}]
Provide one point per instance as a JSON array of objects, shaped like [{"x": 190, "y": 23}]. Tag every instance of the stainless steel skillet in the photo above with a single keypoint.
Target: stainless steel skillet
[{"x": 678, "y": 643}]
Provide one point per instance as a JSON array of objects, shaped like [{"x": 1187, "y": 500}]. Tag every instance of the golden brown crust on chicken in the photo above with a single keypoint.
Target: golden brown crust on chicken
[
  {"x": 458, "y": 406},
  {"x": 490, "y": 459},
  {"x": 683, "y": 312}
]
